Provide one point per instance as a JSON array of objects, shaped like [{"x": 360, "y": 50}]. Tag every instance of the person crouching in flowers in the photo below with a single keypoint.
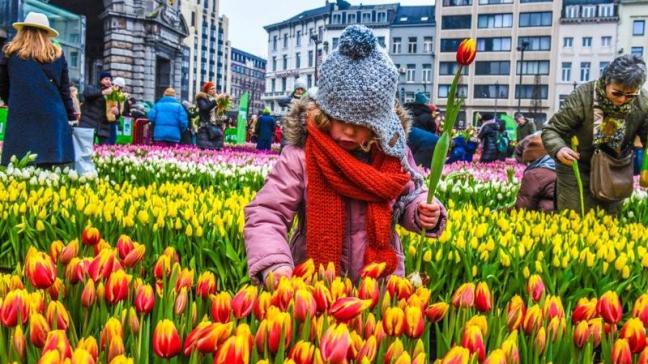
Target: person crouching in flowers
[{"x": 346, "y": 173}]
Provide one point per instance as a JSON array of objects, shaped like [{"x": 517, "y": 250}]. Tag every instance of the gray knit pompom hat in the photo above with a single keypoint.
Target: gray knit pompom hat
[{"x": 358, "y": 84}]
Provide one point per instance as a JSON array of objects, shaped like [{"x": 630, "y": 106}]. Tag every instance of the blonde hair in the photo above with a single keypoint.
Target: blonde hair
[
  {"x": 322, "y": 121},
  {"x": 33, "y": 43}
]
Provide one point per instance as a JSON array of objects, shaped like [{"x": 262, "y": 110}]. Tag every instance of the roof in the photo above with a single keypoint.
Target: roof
[
  {"x": 248, "y": 54},
  {"x": 586, "y": 2},
  {"x": 415, "y": 15},
  {"x": 313, "y": 13}
]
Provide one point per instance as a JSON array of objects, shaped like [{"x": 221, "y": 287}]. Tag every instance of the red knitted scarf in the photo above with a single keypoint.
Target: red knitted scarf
[{"x": 334, "y": 175}]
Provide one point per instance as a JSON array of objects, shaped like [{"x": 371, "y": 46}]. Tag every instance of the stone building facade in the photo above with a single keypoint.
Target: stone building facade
[{"x": 248, "y": 75}]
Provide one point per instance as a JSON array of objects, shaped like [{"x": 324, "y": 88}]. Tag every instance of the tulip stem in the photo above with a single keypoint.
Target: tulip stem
[{"x": 579, "y": 182}]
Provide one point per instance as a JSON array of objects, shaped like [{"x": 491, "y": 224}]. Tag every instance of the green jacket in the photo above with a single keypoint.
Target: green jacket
[
  {"x": 576, "y": 117},
  {"x": 525, "y": 130}
]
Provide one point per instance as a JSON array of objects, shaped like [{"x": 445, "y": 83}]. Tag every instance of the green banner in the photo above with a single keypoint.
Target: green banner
[
  {"x": 3, "y": 121},
  {"x": 241, "y": 126}
]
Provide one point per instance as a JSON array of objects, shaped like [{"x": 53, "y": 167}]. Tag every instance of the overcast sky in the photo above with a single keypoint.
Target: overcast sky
[{"x": 247, "y": 18}]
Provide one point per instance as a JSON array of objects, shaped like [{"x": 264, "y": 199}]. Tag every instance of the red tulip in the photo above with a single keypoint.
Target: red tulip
[
  {"x": 335, "y": 344},
  {"x": 621, "y": 353},
  {"x": 643, "y": 357},
  {"x": 270, "y": 330},
  {"x": 115, "y": 348},
  {"x": 346, "y": 309},
  {"x": 394, "y": 321},
  {"x": 103, "y": 264},
  {"x": 303, "y": 352},
  {"x": 483, "y": 298},
  {"x": 57, "y": 288},
  {"x": 640, "y": 309},
  {"x": 38, "y": 330},
  {"x": 90, "y": 236},
  {"x": 496, "y": 356},
  {"x": 15, "y": 303},
  {"x": 532, "y": 319},
  {"x": 369, "y": 290},
  {"x": 191, "y": 339},
  {"x": 124, "y": 246},
  {"x": 473, "y": 340},
  {"x": 181, "y": 301},
  {"x": 212, "y": 336},
  {"x": 556, "y": 328},
  {"x": 373, "y": 270},
  {"x": 89, "y": 294},
  {"x": 322, "y": 297},
  {"x": 166, "y": 341},
  {"x": 82, "y": 356},
  {"x": 235, "y": 350},
  {"x": 89, "y": 344},
  {"x": 436, "y": 312},
  {"x": 19, "y": 342},
  {"x": 283, "y": 295},
  {"x": 585, "y": 309},
  {"x": 185, "y": 279},
  {"x": 68, "y": 252},
  {"x": 464, "y": 296},
  {"x": 112, "y": 328},
  {"x": 39, "y": 268},
  {"x": 305, "y": 270},
  {"x": 75, "y": 271},
  {"x": 261, "y": 305},
  {"x": 135, "y": 255},
  {"x": 633, "y": 331},
  {"x": 516, "y": 309},
  {"x": 609, "y": 307},
  {"x": 162, "y": 267},
  {"x": 57, "y": 316},
  {"x": 57, "y": 340},
  {"x": 596, "y": 330},
  {"x": 144, "y": 299},
  {"x": 221, "y": 306},
  {"x": 456, "y": 355},
  {"x": 414, "y": 322},
  {"x": 243, "y": 301},
  {"x": 368, "y": 350},
  {"x": 535, "y": 287},
  {"x": 305, "y": 305},
  {"x": 55, "y": 250},
  {"x": 466, "y": 52},
  {"x": 117, "y": 287},
  {"x": 553, "y": 308},
  {"x": 399, "y": 288},
  {"x": 206, "y": 284}
]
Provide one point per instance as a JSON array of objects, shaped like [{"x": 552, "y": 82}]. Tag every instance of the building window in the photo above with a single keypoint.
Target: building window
[
  {"x": 542, "y": 43},
  {"x": 297, "y": 60},
  {"x": 450, "y": 44},
  {"x": 274, "y": 43},
  {"x": 533, "y": 68},
  {"x": 411, "y": 45},
  {"x": 381, "y": 41},
  {"x": 427, "y": 45},
  {"x": 638, "y": 27},
  {"x": 336, "y": 40},
  {"x": 492, "y": 68},
  {"x": 572, "y": 11},
  {"x": 351, "y": 18},
  {"x": 535, "y": 1},
  {"x": 589, "y": 11},
  {"x": 495, "y": 21},
  {"x": 285, "y": 61},
  {"x": 427, "y": 73},
  {"x": 311, "y": 31},
  {"x": 456, "y": 21},
  {"x": 283, "y": 84},
  {"x": 585, "y": 71},
  {"x": 602, "y": 67},
  {"x": 568, "y": 42},
  {"x": 396, "y": 45},
  {"x": 310, "y": 58},
  {"x": 637, "y": 51},
  {"x": 566, "y": 71},
  {"x": 502, "y": 44},
  {"x": 462, "y": 91},
  {"x": 491, "y": 91},
  {"x": 366, "y": 17},
  {"x": 587, "y": 42},
  {"x": 382, "y": 17},
  {"x": 532, "y": 92},
  {"x": 457, "y": 2},
  {"x": 606, "y": 10},
  {"x": 285, "y": 41},
  {"x": 535, "y": 19},
  {"x": 411, "y": 73},
  {"x": 298, "y": 36},
  {"x": 273, "y": 83},
  {"x": 274, "y": 63},
  {"x": 337, "y": 19},
  {"x": 450, "y": 68},
  {"x": 409, "y": 97},
  {"x": 495, "y": 2},
  {"x": 606, "y": 41}
]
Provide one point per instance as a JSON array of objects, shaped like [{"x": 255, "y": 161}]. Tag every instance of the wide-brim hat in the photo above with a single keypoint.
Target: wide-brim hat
[{"x": 36, "y": 20}]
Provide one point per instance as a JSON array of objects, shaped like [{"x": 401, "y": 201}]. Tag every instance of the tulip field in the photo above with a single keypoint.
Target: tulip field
[{"x": 145, "y": 262}]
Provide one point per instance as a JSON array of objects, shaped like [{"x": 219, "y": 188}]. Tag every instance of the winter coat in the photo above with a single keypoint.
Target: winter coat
[
  {"x": 462, "y": 150},
  {"x": 576, "y": 117},
  {"x": 205, "y": 106},
  {"x": 265, "y": 130},
  {"x": 210, "y": 136},
  {"x": 421, "y": 116},
  {"x": 421, "y": 143},
  {"x": 169, "y": 120},
  {"x": 488, "y": 136},
  {"x": 93, "y": 111},
  {"x": 525, "y": 130},
  {"x": 537, "y": 189},
  {"x": 269, "y": 217},
  {"x": 40, "y": 106}
]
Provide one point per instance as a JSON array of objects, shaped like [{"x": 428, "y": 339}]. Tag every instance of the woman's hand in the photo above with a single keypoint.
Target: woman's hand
[
  {"x": 567, "y": 156},
  {"x": 428, "y": 214},
  {"x": 283, "y": 271}
]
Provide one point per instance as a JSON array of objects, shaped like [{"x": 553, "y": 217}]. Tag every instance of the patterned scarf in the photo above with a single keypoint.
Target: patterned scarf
[
  {"x": 609, "y": 119},
  {"x": 334, "y": 175}
]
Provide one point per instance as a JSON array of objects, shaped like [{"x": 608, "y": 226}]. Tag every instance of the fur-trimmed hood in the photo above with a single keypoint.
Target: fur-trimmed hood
[
  {"x": 294, "y": 123},
  {"x": 202, "y": 95}
]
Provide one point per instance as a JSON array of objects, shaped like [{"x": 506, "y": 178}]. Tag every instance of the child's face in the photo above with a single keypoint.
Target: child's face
[{"x": 349, "y": 136}]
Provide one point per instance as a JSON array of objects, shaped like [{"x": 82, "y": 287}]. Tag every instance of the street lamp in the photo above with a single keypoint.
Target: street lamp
[
  {"x": 575, "y": 84},
  {"x": 317, "y": 40},
  {"x": 497, "y": 93},
  {"x": 521, "y": 48}
]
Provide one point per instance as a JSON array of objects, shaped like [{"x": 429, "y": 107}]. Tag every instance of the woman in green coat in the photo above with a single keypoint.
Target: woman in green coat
[{"x": 624, "y": 115}]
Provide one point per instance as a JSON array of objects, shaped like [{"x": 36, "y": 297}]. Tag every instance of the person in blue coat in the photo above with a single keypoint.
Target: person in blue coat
[
  {"x": 34, "y": 83},
  {"x": 265, "y": 130},
  {"x": 169, "y": 119}
]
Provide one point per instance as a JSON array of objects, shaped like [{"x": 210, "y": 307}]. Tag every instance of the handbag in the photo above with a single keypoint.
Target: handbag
[
  {"x": 82, "y": 140},
  {"x": 611, "y": 177}
]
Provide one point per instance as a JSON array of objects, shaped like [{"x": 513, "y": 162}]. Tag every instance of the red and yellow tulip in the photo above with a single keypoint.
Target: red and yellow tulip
[{"x": 166, "y": 341}]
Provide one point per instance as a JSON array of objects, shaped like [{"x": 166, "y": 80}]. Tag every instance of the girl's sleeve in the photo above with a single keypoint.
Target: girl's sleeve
[
  {"x": 269, "y": 217},
  {"x": 409, "y": 219}
]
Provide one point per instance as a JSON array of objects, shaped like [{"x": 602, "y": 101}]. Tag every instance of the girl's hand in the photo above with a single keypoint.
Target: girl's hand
[{"x": 428, "y": 214}]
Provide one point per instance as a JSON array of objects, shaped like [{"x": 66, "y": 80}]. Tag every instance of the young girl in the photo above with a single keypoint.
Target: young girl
[{"x": 345, "y": 172}]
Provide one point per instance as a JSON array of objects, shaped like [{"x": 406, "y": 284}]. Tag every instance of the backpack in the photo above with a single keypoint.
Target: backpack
[{"x": 502, "y": 142}]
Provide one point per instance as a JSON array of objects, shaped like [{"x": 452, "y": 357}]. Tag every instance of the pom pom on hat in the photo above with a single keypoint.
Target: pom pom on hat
[{"x": 357, "y": 41}]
